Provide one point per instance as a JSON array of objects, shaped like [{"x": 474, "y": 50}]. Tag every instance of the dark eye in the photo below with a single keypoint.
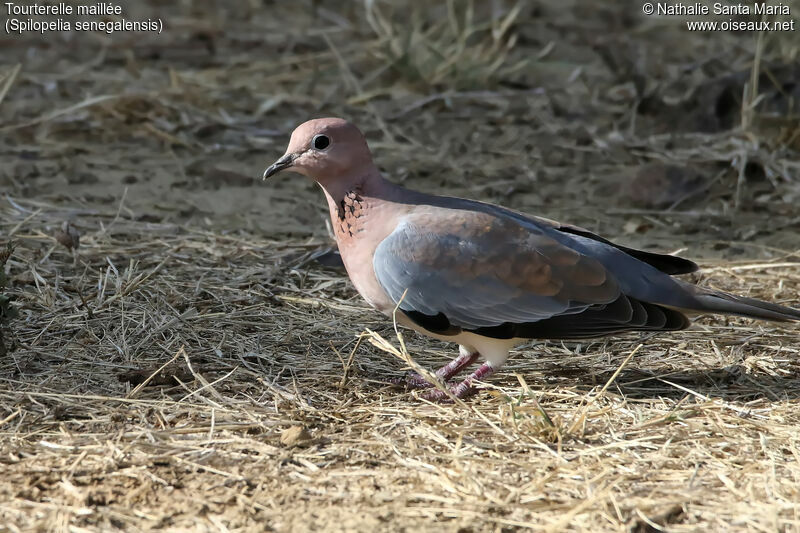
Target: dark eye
[{"x": 320, "y": 142}]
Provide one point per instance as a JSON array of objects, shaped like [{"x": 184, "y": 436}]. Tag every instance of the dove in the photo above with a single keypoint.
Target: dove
[{"x": 486, "y": 277}]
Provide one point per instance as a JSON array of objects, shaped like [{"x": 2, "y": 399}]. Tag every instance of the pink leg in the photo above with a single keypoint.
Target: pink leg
[
  {"x": 464, "y": 359},
  {"x": 463, "y": 389}
]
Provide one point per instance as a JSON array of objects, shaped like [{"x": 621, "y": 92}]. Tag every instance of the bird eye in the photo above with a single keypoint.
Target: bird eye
[{"x": 320, "y": 142}]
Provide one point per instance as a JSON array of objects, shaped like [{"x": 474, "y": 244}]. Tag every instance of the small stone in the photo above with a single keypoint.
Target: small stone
[
  {"x": 294, "y": 436},
  {"x": 68, "y": 235},
  {"x": 658, "y": 185}
]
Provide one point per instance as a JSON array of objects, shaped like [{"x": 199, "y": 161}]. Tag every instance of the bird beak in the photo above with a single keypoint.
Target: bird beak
[{"x": 283, "y": 163}]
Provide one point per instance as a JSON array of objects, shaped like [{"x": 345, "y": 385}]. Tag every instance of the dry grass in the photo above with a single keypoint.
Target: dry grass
[
  {"x": 698, "y": 430},
  {"x": 192, "y": 367}
]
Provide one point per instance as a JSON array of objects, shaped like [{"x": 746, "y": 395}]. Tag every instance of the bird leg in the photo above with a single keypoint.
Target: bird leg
[
  {"x": 464, "y": 359},
  {"x": 463, "y": 389}
]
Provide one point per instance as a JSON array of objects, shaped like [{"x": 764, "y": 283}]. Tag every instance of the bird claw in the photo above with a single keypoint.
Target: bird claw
[
  {"x": 463, "y": 389},
  {"x": 414, "y": 381},
  {"x": 411, "y": 381},
  {"x": 460, "y": 391}
]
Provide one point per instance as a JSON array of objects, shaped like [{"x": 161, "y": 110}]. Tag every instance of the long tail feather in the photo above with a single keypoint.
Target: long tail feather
[{"x": 722, "y": 302}]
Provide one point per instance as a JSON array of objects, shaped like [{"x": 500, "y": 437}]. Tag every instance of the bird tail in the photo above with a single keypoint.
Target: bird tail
[{"x": 707, "y": 300}]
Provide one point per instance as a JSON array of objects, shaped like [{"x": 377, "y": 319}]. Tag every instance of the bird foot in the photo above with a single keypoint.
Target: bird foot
[
  {"x": 413, "y": 381},
  {"x": 465, "y": 389},
  {"x": 460, "y": 391}
]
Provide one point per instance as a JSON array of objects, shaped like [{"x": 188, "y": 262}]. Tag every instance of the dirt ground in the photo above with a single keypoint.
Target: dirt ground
[{"x": 193, "y": 366}]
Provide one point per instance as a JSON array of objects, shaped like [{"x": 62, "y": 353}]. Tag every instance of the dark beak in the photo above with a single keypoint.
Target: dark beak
[{"x": 281, "y": 164}]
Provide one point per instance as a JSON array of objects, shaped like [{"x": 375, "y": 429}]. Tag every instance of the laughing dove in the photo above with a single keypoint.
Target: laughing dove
[{"x": 486, "y": 277}]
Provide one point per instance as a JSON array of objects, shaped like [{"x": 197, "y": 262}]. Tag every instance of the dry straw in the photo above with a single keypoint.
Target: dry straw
[{"x": 228, "y": 345}]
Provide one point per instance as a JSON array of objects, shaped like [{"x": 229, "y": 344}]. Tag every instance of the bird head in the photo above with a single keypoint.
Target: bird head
[{"x": 325, "y": 149}]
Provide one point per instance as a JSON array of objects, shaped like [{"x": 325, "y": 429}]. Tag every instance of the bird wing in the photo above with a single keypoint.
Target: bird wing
[
  {"x": 473, "y": 270},
  {"x": 668, "y": 264}
]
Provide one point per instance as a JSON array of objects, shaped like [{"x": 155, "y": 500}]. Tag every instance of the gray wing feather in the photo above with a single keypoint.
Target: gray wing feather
[{"x": 481, "y": 271}]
